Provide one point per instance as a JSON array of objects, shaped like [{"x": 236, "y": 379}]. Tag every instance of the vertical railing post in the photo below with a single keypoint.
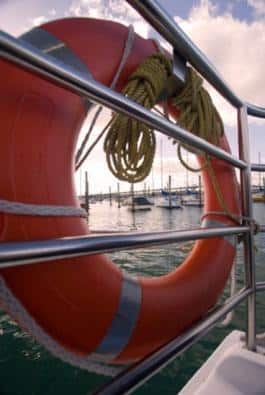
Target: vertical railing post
[{"x": 247, "y": 211}]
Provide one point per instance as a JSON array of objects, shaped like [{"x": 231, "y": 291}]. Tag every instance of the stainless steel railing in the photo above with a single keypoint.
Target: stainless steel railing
[
  {"x": 12, "y": 254},
  {"x": 24, "y": 253},
  {"x": 34, "y": 60},
  {"x": 173, "y": 34},
  {"x": 247, "y": 210},
  {"x": 133, "y": 377}
]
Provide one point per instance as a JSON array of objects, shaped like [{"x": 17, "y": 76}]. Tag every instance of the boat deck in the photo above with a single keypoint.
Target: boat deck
[{"x": 231, "y": 370}]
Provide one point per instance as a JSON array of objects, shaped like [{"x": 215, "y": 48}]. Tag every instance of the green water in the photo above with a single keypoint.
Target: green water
[{"x": 26, "y": 368}]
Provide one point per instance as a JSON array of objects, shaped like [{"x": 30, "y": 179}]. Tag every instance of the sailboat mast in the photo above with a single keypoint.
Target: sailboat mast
[
  {"x": 169, "y": 190},
  {"x": 161, "y": 163},
  {"x": 187, "y": 172},
  {"x": 200, "y": 190},
  {"x": 260, "y": 173}
]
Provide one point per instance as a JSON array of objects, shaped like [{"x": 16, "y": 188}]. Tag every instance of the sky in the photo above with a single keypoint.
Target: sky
[{"x": 230, "y": 32}]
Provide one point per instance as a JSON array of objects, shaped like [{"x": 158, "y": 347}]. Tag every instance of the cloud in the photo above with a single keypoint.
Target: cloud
[
  {"x": 38, "y": 20},
  {"x": 236, "y": 49},
  {"x": 103, "y": 8},
  {"x": 115, "y": 10},
  {"x": 259, "y": 7},
  {"x": 52, "y": 12}
]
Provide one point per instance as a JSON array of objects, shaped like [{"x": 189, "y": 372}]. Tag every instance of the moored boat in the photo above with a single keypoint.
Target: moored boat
[
  {"x": 139, "y": 203},
  {"x": 192, "y": 202},
  {"x": 169, "y": 202},
  {"x": 258, "y": 197}
]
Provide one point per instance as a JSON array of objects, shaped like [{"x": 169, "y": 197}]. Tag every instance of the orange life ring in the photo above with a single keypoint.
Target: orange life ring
[{"x": 87, "y": 305}]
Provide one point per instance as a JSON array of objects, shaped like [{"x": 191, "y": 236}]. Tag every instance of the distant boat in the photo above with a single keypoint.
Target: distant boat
[
  {"x": 258, "y": 197},
  {"x": 170, "y": 202},
  {"x": 169, "y": 199},
  {"x": 167, "y": 193},
  {"x": 190, "y": 191},
  {"x": 193, "y": 202},
  {"x": 140, "y": 203}
]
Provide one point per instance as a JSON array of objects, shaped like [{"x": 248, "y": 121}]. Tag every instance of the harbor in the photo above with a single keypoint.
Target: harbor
[
  {"x": 24, "y": 360},
  {"x": 192, "y": 195}
]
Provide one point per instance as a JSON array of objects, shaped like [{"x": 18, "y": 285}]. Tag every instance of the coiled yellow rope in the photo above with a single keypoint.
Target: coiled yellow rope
[
  {"x": 199, "y": 116},
  {"x": 197, "y": 111},
  {"x": 130, "y": 144}
]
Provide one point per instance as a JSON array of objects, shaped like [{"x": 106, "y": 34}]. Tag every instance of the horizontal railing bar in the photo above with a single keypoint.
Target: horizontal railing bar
[
  {"x": 170, "y": 30},
  {"x": 22, "y": 253},
  {"x": 255, "y": 111},
  {"x": 32, "y": 59},
  {"x": 135, "y": 376},
  {"x": 260, "y": 286},
  {"x": 257, "y": 167},
  {"x": 261, "y": 228}
]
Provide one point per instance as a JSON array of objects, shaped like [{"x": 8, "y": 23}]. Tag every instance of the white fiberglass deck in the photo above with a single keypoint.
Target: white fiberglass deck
[{"x": 231, "y": 370}]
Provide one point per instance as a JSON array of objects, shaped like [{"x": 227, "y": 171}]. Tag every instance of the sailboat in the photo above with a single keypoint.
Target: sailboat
[
  {"x": 169, "y": 199},
  {"x": 195, "y": 199},
  {"x": 259, "y": 197}
]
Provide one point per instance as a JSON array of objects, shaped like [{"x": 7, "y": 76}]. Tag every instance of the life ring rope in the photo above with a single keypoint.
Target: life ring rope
[
  {"x": 11, "y": 304},
  {"x": 19, "y": 208},
  {"x": 81, "y": 155}
]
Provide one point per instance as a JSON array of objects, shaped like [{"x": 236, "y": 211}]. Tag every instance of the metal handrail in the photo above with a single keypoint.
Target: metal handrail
[
  {"x": 34, "y": 60},
  {"x": 153, "y": 13},
  {"x": 31, "y": 58},
  {"x": 28, "y": 252},
  {"x": 260, "y": 286},
  {"x": 257, "y": 167},
  {"x": 130, "y": 379},
  {"x": 247, "y": 210}
]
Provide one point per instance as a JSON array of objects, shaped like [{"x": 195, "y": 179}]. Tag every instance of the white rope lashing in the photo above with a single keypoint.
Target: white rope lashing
[
  {"x": 9, "y": 207},
  {"x": 81, "y": 156},
  {"x": 16, "y": 309},
  {"x": 233, "y": 287}
]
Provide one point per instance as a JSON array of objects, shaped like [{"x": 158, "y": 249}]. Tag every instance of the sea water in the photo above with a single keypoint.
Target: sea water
[{"x": 28, "y": 369}]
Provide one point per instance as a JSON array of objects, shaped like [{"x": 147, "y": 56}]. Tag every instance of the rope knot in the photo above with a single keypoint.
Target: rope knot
[{"x": 149, "y": 79}]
